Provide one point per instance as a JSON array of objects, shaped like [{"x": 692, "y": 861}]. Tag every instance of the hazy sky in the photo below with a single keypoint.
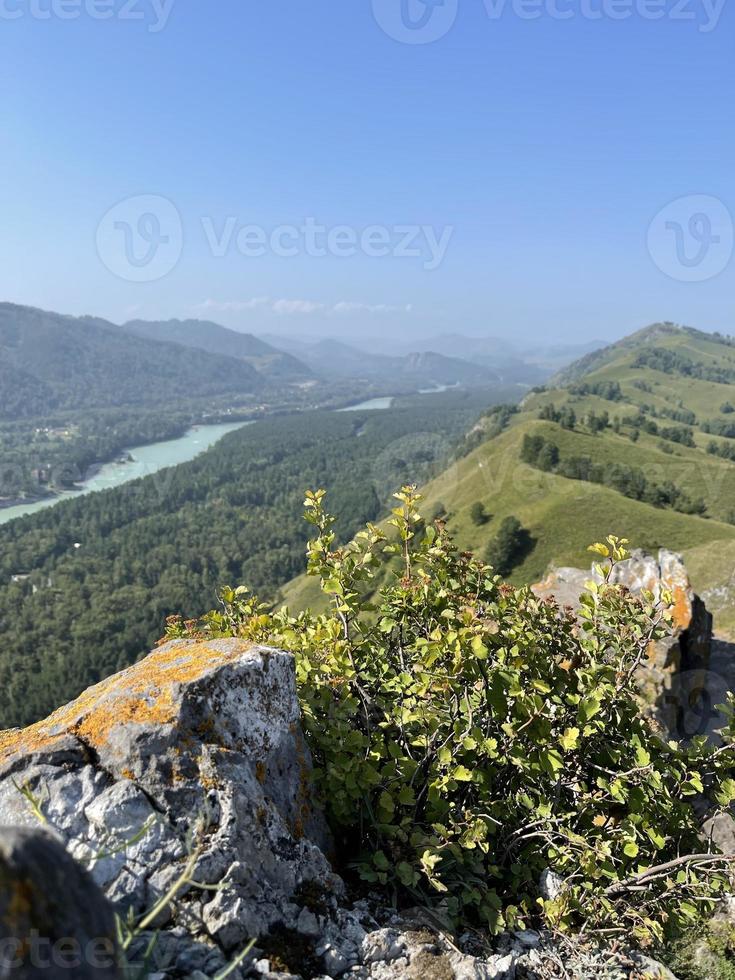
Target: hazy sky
[{"x": 345, "y": 166}]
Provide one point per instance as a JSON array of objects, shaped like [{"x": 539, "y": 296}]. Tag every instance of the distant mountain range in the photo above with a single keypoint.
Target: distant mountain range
[
  {"x": 51, "y": 362},
  {"x": 491, "y": 358},
  {"x": 333, "y": 359},
  {"x": 328, "y": 359},
  {"x": 206, "y": 335}
]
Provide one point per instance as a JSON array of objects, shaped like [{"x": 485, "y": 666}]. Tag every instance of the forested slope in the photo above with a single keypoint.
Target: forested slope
[
  {"x": 104, "y": 571},
  {"x": 50, "y": 362},
  {"x": 206, "y": 335}
]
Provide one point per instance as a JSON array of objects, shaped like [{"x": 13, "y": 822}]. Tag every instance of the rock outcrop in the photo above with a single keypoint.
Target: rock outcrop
[
  {"x": 196, "y": 750},
  {"x": 187, "y": 776},
  {"x": 685, "y": 654}
]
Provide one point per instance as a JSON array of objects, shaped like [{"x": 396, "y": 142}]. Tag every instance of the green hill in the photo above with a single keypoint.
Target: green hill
[{"x": 646, "y": 412}]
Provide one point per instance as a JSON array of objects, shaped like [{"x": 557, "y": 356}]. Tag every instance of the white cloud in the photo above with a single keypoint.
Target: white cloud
[
  {"x": 233, "y": 306},
  {"x": 299, "y": 307},
  {"x": 345, "y": 307},
  {"x": 290, "y": 306}
]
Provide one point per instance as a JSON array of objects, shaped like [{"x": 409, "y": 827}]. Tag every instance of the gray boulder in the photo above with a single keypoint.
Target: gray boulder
[
  {"x": 196, "y": 750},
  {"x": 54, "y": 921}
]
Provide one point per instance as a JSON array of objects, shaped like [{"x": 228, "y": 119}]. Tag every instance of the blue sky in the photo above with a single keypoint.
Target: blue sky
[{"x": 540, "y": 148}]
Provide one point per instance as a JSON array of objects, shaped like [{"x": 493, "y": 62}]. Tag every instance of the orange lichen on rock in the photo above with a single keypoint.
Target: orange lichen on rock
[
  {"x": 681, "y": 607},
  {"x": 142, "y": 694}
]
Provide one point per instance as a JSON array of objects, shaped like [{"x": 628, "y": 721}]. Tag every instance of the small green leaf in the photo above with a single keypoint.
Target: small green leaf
[
  {"x": 381, "y": 861},
  {"x": 552, "y": 761},
  {"x": 569, "y": 739},
  {"x": 726, "y": 792},
  {"x": 479, "y": 649},
  {"x": 406, "y": 874},
  {"x": 406, "y": 796},
  {"x": 462, "y": 774}
]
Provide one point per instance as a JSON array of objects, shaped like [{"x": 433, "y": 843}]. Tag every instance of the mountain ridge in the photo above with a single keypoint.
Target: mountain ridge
[
  {"x": 332, "y": 358},
  {"x": 61, "y": 362},
  {"x": 597, "y": 359},
  {"x": 269, "y": 361}
]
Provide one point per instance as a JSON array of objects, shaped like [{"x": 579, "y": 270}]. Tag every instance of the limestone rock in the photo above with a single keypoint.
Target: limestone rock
[
  {"x": 421, "y": 954},
  {"x": 551, "y": 885},
  {"x": 652, "y": 968},
  {"x": 54, "y": 921},
  {"x": 198, "y": 746},
  {"x": 685, "y": 655}
]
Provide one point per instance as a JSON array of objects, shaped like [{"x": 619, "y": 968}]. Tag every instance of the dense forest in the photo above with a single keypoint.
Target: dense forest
[{"x": 85, "y": 586}]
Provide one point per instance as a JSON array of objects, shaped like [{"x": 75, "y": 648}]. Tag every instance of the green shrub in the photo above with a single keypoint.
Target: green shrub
[
  {"x": 478, "y": 515},
  {"x": 467, "y": 736},
  {"x": 628, "y": 480}
]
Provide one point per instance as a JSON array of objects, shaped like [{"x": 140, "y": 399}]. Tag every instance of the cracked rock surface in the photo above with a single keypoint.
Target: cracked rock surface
[{"x": 199, "y": 745}]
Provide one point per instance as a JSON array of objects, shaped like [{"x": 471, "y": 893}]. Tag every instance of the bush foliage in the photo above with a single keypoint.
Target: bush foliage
[{"x": 468, "y": 736}]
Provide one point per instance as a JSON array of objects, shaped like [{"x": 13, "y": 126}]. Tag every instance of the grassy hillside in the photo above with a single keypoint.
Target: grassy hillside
[{"x": 562, "y": 515}]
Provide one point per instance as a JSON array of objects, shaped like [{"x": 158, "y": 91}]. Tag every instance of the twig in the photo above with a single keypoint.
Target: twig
[{"x": 660, "y": 870}]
